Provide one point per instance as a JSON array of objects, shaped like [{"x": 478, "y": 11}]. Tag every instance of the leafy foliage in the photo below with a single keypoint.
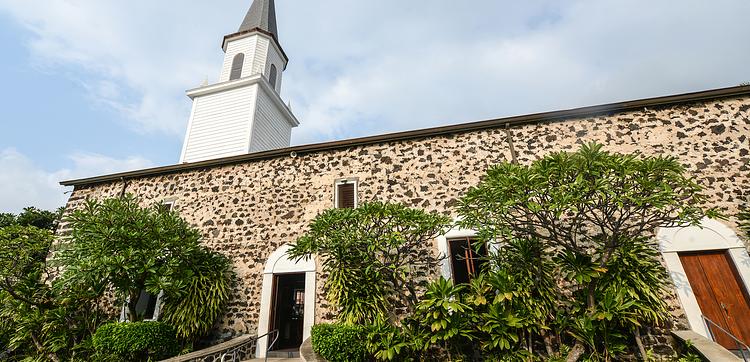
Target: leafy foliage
[
  {"x": 32, "y": 216},
  {"x": 377, "y": 257},
  {"x": 339, "y": 342},
  {"x": 194, "y": 310},
  {"x": 587, "y": 219},
  {"x": 116, "y": 243},
  {"x": 135, "y": 341},
  {"x": 39, "y": 316}
]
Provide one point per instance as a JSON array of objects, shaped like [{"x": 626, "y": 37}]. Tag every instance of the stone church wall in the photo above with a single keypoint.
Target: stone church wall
[{"x": 248, "y": 210}]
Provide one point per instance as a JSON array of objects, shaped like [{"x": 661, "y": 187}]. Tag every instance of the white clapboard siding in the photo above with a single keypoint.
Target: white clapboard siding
[
  {"x": 261, "y": 55},
  {"x": 248, "y": 46},
  {"x": 221, "y": 124},
  {"x": 270, "y": 129},
  {"x": 275, "y": 58}
]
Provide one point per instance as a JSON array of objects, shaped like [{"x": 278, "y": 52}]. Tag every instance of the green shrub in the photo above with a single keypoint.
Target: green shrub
[
  {"x": 340, "y": 342},
  {"x": 136, "y": 341}
]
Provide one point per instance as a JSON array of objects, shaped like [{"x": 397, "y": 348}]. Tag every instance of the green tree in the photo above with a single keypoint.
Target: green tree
[
  {"x": 590, "y": 209},
  {"x": 377, "y": 257},
  {"x": 39, "y": 316},
  {"x": 7, "y": 219},
  {"x": 32, "y": 216},
  {"x": 118, "y": 244}
]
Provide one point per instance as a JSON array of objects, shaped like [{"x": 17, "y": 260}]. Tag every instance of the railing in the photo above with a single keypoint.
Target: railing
[
  {"x": 741, "y": 346},
  {"x": 236, "y": 350},
  {"x": 275, "y": 332}
]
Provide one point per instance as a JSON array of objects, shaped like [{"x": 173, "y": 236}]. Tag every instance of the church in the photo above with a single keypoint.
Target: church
[{"x": 251, "y": 194}]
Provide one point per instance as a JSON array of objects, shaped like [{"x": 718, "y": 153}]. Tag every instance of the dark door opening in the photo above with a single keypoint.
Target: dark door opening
[
  {"x": 288, "y": 310},
  {"x": 720, "y": 293}
]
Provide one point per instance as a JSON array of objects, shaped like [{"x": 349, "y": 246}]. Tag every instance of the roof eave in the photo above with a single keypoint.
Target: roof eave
[{"x": 427, "y": 132}]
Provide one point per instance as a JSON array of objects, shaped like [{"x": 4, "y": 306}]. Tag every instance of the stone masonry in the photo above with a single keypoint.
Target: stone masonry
[{"x": 247, "y": 210}]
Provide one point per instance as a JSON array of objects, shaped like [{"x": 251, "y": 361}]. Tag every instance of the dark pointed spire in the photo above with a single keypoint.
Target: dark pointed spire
[{"x": 262, "y": 15}]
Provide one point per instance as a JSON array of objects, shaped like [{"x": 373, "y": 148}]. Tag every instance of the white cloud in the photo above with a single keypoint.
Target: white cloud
[
  {"x": 364, "y": 67},
  {"x": 26, "y": 184},
  {"x": 381, "y": 70}
]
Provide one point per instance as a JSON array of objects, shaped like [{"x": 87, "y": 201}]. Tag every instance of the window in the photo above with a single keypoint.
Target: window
[
  {"x": 147, "y": 307},
  {"x": 466, "y": 260},
  {"x": 167, "y": 206},
  {"x": 346, "y": 194},
  {"x": 272, "y": 76},
  {"x": 237, "y": 64}
]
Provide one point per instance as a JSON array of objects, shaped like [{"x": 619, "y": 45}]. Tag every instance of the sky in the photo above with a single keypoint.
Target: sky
[{"x": 93, "y": 87}]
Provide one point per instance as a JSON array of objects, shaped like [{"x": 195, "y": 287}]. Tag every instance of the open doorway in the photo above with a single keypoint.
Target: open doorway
[{"x": 288, "y": 310}]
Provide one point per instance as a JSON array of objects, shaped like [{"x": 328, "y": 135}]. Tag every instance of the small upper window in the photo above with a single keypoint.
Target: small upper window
[
  {"x": 346, "y": 194},
  {"x": 467, "y": 259},
  {"x": 237, "y": 64},
  {"x": 272, "y": 76},
  {"x": 166, "y": 206}
]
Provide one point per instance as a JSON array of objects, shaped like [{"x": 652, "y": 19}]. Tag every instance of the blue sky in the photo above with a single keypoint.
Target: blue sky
[{"x": 97, "y": 86}]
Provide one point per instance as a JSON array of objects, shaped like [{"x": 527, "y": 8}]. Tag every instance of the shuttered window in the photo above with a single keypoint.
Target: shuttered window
[
  {"x": 466, "y": 259},
  {"x": 346, "y": 195},
  {"x": 237, "y": 64},
  {"x": 272, "y": 76}
]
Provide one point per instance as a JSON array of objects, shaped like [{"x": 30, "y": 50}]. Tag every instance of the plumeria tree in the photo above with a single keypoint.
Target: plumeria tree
[
  {"x": 594, "y": 213},
  {"x": 377, "y": 257}
]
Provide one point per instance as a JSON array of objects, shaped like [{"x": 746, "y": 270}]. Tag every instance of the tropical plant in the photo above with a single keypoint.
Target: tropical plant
[
  {"x": 591, "y": 211},
  {"x": 194, "y": 310},
  {"x": 377, "y": 257},
  {"x": 119, "y": 244},
  {"x": 40, "y": 317},
  {"x": 446, "y": 318}
]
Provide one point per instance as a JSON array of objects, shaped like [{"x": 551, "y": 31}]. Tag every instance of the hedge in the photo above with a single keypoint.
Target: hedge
[
  {"x": 339, "y": 342},
  {"x": 136, "y": 341}
]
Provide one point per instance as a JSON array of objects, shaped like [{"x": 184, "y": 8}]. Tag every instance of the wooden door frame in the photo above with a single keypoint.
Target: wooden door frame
[{"x": 711, "y": 235}]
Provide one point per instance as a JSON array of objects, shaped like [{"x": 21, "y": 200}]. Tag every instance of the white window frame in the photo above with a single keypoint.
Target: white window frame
[
  {"x": 344, "y": 181},
  {"x": 444, "y": 249},
  {"x": 170, "y": 201},
  {"x": 157, "y": 309}
]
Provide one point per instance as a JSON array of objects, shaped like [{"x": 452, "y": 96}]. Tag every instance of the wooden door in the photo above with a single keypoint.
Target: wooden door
[{"x": 721, "y": 294}]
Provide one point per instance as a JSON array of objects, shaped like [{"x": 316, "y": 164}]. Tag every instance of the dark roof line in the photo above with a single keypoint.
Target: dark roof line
[{"x": 427, "y": 132}]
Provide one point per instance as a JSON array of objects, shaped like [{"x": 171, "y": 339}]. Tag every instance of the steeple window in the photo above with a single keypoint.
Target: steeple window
[
  {"x": 272, "y": 76},
  {"x": 237, "y": 64}
]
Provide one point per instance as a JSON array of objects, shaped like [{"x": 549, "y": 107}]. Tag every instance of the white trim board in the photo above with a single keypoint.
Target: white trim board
[
  {"x": 446, "y": 269},
  {"x": 710, "y": 235},
  {"x": 279, "y": 263}
]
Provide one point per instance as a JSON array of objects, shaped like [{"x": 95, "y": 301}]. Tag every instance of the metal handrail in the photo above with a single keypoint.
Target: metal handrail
[
  {"x": 275, "y": 332},
  {"x": 741, "y": 345},
  {"x": 270, "y": 345}
]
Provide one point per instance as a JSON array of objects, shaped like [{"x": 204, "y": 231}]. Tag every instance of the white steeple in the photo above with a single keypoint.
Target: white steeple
[{"x": 243, "y": 113}]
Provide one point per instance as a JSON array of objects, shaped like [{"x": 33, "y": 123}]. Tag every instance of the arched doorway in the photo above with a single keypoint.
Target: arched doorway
[
  {"x": 710, "y": 268},
  {"x": 287, "y": 301}
]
